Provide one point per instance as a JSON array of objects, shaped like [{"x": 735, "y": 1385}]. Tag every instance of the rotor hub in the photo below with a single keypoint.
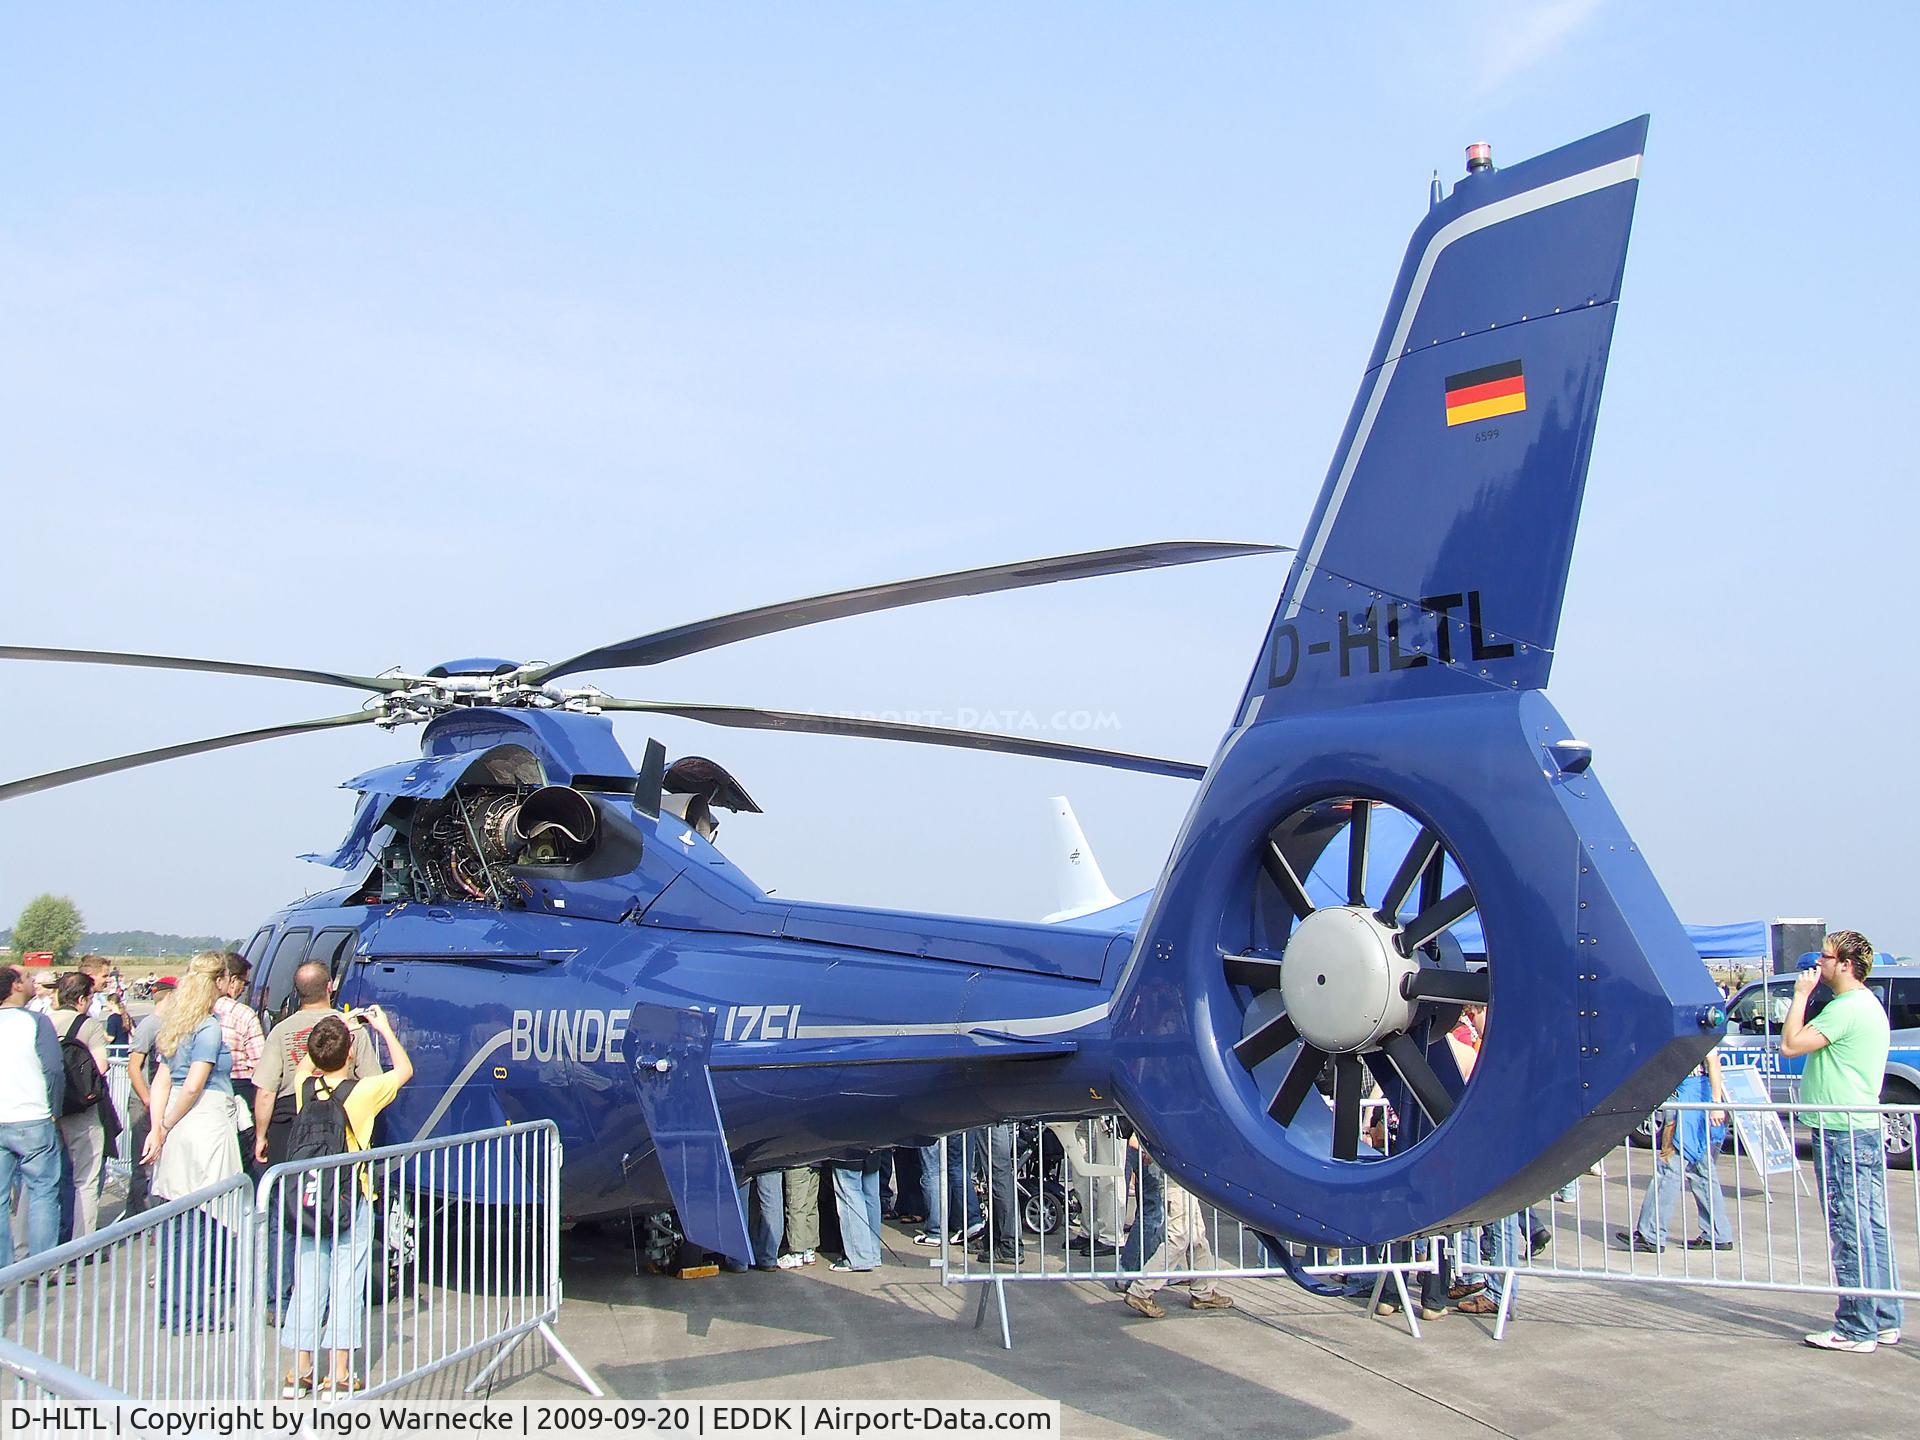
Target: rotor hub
[{"x": 1341, "y": 980}]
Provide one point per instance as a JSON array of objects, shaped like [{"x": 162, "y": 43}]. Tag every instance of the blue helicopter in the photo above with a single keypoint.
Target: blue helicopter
[{"x": 561, "y": 938}]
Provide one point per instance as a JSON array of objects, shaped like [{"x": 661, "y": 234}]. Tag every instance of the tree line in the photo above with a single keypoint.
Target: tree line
[{"x": 54, "y": 923}]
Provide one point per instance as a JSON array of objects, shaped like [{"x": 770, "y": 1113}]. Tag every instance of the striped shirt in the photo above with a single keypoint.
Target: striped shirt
[{"x": 240, "y": 1028}]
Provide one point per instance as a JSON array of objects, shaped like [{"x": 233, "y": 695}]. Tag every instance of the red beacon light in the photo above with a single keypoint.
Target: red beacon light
[{"x": 1479, "y": 157}]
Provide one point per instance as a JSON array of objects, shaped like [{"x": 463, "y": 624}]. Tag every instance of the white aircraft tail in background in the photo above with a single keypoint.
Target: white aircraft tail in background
[{"x": 1083, "y": 889}]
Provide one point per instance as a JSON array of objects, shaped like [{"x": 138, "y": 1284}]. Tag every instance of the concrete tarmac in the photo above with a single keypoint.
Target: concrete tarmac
[{"x": 1580, "y": 1358}]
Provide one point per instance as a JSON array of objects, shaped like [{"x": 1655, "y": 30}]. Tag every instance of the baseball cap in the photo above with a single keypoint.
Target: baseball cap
[
  {"x": 1810, "y": 960},
  {"x": 167, "y": 982}
]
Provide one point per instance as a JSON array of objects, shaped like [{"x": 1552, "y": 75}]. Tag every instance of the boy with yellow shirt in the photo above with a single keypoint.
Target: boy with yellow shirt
[{"x": 327, "y": 1310}]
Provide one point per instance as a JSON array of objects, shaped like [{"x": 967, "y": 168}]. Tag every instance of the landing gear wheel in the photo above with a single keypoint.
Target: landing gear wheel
[{"x": 1358, "y": 980}]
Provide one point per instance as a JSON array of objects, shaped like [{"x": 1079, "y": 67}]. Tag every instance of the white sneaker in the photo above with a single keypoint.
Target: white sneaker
[
  {"x": 1890, "y": 1337},
  {"x": 1834, "y": 1340},
  {"x": 791, "y": 1261}
]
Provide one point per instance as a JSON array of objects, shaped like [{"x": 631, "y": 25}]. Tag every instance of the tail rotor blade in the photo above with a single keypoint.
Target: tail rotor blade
[
  {"x": 1266, "y": 1042},
  {"x": 1427, "y": 1087},
  {"x": 1435, "y": 918},
  {"x": 1256, "y": 972},
  {"x": 1349, "y": 1081},
  {"x": 1466, "y": 987},
  {"x": 1298, "y": 1084},
  {"x": 1357, "y": 832},
  {"x": 1425, "y": 848},
  {"x": 1281, "y": 872}
]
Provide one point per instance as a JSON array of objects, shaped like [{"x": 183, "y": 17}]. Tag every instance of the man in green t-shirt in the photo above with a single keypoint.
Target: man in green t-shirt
[{"x": 1846, "y": 1050}]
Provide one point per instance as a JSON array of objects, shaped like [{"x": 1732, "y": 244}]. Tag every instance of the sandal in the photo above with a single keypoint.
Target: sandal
[
  {"x": 296, "y": 1387},
  {"x": 334, "y": 1385}
]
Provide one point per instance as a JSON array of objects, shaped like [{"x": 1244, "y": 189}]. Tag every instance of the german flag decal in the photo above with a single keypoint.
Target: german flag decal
[{"x": 1486, "y": 392}]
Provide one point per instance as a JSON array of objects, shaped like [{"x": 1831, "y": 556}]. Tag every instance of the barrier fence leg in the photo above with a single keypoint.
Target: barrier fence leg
[
  {"x": 1506, "y": 1304},
  {"x": 499, "y": 1359},
  {"x": 1399, "y": 1279},
  {"x": 565, "y": 1357},
  {"x": 560, "y": 1353},
  {"x": 999, "y": 1292}
]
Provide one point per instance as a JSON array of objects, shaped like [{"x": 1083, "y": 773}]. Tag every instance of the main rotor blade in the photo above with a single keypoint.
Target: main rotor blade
[
  {"x": 218, "y": 667},
  {"x": 745, "y": 717},
  {"x": 55, "y": 778},
  {"x": 698, "y": 635}
]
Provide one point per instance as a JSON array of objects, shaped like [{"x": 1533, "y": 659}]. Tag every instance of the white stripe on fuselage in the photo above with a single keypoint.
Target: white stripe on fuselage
[{"x": 1026, "y": 1025}]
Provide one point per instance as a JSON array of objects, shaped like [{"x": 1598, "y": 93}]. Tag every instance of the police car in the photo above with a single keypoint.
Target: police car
[{"x": 1756, "y": 1014}]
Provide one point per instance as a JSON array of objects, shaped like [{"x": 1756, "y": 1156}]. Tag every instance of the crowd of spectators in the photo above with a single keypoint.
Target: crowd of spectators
[
  {"x": 211, "y": 1095},
  {"x": 215, "y": 1095}
]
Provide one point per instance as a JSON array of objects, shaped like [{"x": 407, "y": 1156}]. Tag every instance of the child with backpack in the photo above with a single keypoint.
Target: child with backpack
[{"x": 331, "y": 1207}]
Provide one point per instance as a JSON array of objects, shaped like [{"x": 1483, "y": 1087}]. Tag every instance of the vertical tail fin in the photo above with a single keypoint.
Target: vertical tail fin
[
  {"x": 1082, "y": 889},
  {"x": 1436, "y": 557},
  {"x": 1431, "y": 577}
]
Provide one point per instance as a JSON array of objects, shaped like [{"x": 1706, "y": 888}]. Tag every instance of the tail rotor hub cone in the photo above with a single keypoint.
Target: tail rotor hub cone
[{"x": 1341, "y": 981}]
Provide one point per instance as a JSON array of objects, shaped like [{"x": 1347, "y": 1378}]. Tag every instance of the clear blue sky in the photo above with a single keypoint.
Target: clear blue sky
[{"x": 365, "y": 336}]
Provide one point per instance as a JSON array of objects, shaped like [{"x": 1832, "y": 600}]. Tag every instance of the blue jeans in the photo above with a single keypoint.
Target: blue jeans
[
  {"x": 764, "y": 1199},
  {"x": 1496, "y": 1243},
  {"x": 197, "y": 1272},
  {"x": 329, "y": 1306},
  {"x": 1853, "y": 1186},
  {"x": 1150, "y": 1227},
  {"x": 856, "y": 1196},
  {"x": 928, "y": 1196},
  {"x": 1663, "y": 1197},
  {"x": 962, "y": 1199},
  {"x": 31, "y": 1148}
]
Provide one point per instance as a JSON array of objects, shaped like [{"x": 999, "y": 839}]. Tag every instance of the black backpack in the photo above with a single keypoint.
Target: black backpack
[
  {"x": 85, "y": 1083},
  {"x": 320, "y": 1202}
]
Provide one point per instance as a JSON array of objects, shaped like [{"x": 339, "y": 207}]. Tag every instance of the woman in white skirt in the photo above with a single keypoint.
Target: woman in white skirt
[{"x": 194, "y": 1142}]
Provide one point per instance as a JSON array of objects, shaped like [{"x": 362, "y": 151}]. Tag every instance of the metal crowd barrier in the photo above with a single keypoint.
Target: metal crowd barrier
[
  {"x": 437, "y": 1252},
  {"x": 424, "y": 1275},
  {"x": 1028, "y": 1187},
  {"x": 1064, "y": 1201},
  {"x": 1756, "y": 1206},
  {"x": 144, "y": 1307}
]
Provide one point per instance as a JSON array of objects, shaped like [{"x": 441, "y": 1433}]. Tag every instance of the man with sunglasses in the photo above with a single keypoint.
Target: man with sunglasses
[{"x": 1846, "y": 1049}]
